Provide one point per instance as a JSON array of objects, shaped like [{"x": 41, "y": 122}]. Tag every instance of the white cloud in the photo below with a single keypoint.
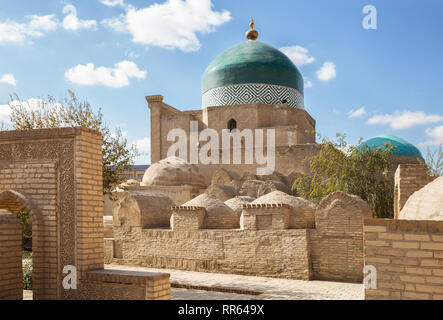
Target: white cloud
[
  {"x": 117, "y": 77},
  {"x": 356, "y": 113},
  {"x": 404, "y": 119},
  {"x": 173, "y": 24},
  {"x": 40, "y": 24},
  {"x": 20, "y": 33},
  {"x": 31, "y": 104},
  {"x": 327, "y": 72},
  {"x": 436, "y": 135},
  {"x": 298, "y": 55},
  {"x": 143, "y": 146},
  {"x": 112, "y": 3},
  {"x": 117, "y": 24},
  {"x": 5, "y": 111},
  {"x": 8, "y": 79},
  {"x": 12, "y": 32},
  {"x": 308, "y": 84},
  {"x": 72, "y": 23}
]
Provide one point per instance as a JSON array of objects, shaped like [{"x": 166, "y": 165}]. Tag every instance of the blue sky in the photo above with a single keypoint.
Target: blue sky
[{"x": 115, "y": 52}]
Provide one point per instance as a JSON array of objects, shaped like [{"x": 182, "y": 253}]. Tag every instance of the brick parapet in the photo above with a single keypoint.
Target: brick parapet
[{"x": 407, "y": 256}]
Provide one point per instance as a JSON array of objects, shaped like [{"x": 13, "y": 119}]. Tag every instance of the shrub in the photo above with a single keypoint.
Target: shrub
[
  {"x": 358, "y": 170},
  {"x": 27, "y": 270}
]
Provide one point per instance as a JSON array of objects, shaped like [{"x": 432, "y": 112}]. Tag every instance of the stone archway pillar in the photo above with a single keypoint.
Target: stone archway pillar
[{"x": 11, "y": 275}]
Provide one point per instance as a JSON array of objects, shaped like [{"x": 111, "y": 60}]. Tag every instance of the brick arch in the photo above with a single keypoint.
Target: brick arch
[
  {"x": 14, "y": 201},
  {"x": 56, "y": 174}
]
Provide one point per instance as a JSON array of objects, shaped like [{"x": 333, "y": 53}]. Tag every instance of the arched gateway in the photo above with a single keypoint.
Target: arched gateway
[{"x": 56, "y": 175}]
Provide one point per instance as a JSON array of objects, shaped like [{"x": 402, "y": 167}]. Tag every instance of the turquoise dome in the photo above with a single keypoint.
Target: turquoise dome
[
  {"x": 401, "y": 147},
  {"x": 252, "y": 62}
]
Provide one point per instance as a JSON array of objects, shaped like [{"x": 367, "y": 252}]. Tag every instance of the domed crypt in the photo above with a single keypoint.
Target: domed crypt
[
  {"x": 403, "y": 152},
  {"x": 249, "y": 86}
]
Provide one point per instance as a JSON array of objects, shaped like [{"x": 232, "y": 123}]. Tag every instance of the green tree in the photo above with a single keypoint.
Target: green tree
[
  {"x": 118, "y": 155},
  {"x": 434, "y": 161},
  {"x": 358, "y": 170},
  {"x": 25, "y": 221}
]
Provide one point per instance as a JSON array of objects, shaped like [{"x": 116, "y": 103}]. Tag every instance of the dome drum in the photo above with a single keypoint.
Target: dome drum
[{"x": 252, "y": 93}]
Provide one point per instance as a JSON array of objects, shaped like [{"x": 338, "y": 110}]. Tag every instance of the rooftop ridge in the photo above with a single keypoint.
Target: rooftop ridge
[
  {"x": 186, "y": 208},
  {"x": 264, "y": 205}
]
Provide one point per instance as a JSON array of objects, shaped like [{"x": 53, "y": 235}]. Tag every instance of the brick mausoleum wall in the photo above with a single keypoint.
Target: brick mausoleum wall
[
  {"x": 11, "y": 276},
  {"x": 337, "y": 241},
  {"x": 263, "y": 246},
  {"x": 338, "y": 258},
  {"x": 408, "y": 257},
  {"x": 178, "y": 194},
  {"x": 272, "y": 253},
  {"x": 409, "y": 178}
]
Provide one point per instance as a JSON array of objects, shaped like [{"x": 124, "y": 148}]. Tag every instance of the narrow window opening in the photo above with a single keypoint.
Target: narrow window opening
[{"x": 232, "y": 125}]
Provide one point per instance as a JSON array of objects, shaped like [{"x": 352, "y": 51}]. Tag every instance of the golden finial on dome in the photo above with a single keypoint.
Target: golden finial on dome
[{"x": 252, "y": 34}]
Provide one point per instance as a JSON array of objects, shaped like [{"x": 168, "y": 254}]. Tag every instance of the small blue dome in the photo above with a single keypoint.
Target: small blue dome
[{"x": 401, "y": 147}]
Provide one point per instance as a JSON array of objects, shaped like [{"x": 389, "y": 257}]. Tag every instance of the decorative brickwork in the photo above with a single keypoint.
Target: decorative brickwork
[
  {"x": 56, "y": 175},
  {"x": 252, "y": 93},
  {"x": 37, "y": 173},
  {"x": 408, "y": 257}
]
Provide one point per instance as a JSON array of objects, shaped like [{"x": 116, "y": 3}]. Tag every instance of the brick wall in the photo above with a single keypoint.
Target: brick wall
[
  {"x": 263, "y": 246},
  {"x": 11, "y": 276},
  {"x": 337, "y": 241},
  {"x": 272, "y": 253},
  {"x": 36, "y": 182},
  {"x": 337, "y": 258},
  {"x": 55, "y": 174},
  {"x": 408, "y": 179},
  {"x": 408, "y": 257},
  {"x": 178, "y": 194},
  {"x": 265, "y": 217},
  {"x": 187, "y": 218},
  {"x": 111, "y": 284},
  {"x": 89, "y": 200}
]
